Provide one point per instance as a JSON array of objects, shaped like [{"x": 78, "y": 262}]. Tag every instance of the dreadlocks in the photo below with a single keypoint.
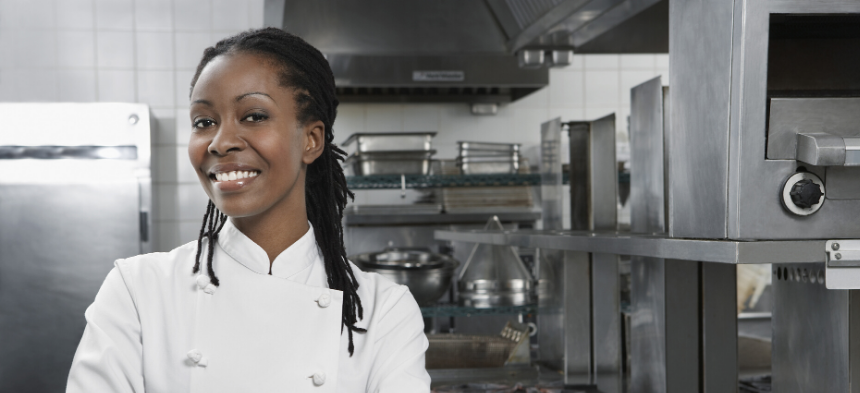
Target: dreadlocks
[{"x": 304, "y": 69}]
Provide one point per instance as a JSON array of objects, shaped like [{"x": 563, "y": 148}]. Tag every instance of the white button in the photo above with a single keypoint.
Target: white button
[
  {"x": 319, "y": 378},
  {"x": 324, "y": 300},
  {"x": 204, "y": 284},
  {"x": 198, "y": 358}
]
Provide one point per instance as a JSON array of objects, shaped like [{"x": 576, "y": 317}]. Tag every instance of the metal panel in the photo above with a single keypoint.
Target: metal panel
[
  {"x": 421, "y": 27},
  {"x": 610, "y": 19},
  {"x": 579, "y": 175},
  {"x": 791, "y": 116},
  {"x": 577, "y": 325},
  {"x": 50, "y": 271},
  {"x": 551, "y": 176},
  {"x": 842, "y": 183},
  {"x": 647, "y": 209},
  {"x": 682, "y": 324},
  {"x": 648, "y": 325},
  {"x": 603, "y": 175},
  {"x": 700, "y": 38},
  {"x": 606, "y": 322},
  {"x": 719, "y": 328},
  {"x": 814, "y": 332}
]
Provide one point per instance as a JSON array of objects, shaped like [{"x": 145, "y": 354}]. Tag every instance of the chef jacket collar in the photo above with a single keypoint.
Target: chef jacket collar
[{"x": 299, "y": 256}]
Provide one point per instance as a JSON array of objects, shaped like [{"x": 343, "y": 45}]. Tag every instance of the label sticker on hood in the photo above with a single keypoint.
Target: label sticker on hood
[{"x": 438, "y": 76}]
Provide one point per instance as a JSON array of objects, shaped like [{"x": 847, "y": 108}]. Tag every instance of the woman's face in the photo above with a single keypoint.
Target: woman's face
[{"x": 247, "y": 146}]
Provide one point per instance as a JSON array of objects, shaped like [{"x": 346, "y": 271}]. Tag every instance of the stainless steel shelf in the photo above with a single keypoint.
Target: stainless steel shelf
[
  {"x": 657, "y": 246},
  {"x": 382, "y": 182},
  {"x": 440, "y": 219},
  {"x": 458, "y": 311}
]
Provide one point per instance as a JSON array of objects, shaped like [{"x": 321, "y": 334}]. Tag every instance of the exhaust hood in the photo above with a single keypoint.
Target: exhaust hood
[{"x": 479, "y": 52}]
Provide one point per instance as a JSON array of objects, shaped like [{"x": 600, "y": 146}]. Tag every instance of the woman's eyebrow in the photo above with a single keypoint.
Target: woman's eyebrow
[
  {"x": 239, "y": 98},
  {"x": 204, "y": 102}
]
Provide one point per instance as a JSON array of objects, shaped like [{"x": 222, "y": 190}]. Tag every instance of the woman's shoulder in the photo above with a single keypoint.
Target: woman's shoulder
[
  {"x": 159, "y": 265},
  {"x": 384, "y": 292}
]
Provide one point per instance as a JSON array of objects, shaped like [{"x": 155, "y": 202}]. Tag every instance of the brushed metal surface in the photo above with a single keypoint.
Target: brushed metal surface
[
  {"x": 655, "y": 246},
  {"x": 579, "y": 174},
  {"x": 51, "y": 269},
  {"x": 606, "y": 320},
  {"x": 700, "y": 38},
  {"x": 719, "y": 328},
  {"x": 647, "y": 201},
  {"x": 577, "y": 344},
  {"x": 550, "y": 172},
  {"x": 815, "y": 333},
  {"x": 64, "y": 223},
  {"x": 603, "y": 175},
  {"x": 842, "y": 183},
  {"x": 791, "y": 116}
]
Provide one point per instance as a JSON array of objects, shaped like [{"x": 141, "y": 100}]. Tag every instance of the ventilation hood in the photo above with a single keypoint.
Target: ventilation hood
[{"x": 492, "y": 51}]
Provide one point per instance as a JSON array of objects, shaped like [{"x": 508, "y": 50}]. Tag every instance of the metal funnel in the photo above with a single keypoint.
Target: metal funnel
[{"x": 495, "y": 276}]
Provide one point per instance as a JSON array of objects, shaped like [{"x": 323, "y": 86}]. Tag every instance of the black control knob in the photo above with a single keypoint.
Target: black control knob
[{"x": 805, "y": 193}]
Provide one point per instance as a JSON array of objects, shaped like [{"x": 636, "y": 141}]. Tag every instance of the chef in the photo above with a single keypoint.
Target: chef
[{"x": 265, "y": 300}]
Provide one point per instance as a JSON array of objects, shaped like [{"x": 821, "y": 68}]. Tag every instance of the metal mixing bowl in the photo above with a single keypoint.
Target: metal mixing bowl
[{"x": 427, "y": 275}]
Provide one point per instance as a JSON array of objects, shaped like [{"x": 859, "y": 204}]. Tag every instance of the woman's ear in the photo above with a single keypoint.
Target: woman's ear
[{"x": 314, "y": 138}]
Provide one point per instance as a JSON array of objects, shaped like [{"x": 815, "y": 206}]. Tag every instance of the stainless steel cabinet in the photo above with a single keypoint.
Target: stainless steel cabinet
[{"x": 74, "y": 197}]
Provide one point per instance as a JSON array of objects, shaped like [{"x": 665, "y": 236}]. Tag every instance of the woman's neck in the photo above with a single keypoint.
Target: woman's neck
[{"x": 277, "y": 229}]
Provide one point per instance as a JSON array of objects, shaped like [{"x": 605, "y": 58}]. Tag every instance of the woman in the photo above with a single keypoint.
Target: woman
[{"x": 265, "y": 300}]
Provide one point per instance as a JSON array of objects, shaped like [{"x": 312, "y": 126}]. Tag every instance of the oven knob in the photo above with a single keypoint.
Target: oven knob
[{"x": 805, "y": 193}]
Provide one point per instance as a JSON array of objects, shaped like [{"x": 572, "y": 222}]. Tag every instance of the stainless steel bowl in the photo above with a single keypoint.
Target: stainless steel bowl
[{"x": 427, "y": 275}]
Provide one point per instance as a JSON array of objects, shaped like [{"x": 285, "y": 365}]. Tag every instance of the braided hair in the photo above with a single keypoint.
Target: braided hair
[{"x": 304, "y": 69}]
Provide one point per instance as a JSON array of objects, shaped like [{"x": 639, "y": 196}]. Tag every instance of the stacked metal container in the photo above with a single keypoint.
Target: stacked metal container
[
  {"x": 397, "y": 153},
  {"x": 486, "y": 157}
]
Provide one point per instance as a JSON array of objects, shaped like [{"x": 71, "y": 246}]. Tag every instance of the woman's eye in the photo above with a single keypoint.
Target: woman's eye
[
  {"x": 203, "y": 123},
  {"x": 255, "y": 117}
]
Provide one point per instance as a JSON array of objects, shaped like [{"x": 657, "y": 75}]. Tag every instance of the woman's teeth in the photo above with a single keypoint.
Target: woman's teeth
[{"x": 235, "y": 175}]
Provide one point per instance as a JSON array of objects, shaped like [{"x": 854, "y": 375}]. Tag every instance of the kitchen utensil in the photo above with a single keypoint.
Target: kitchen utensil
[
  {"x": 428, "y": 275},
  {"x": 405, "y": 162}
]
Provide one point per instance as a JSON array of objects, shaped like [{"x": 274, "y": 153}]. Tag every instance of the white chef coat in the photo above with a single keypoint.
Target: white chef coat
[{"x": 157, "y": 327}]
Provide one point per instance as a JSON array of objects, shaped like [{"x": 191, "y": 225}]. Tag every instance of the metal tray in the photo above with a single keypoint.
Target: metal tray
[
  {"x": 392, "y": 141},
  {"x": 486, "y": 165},
  {"x": 414, "y": 162},
  {"x": 488, "y": 146}
]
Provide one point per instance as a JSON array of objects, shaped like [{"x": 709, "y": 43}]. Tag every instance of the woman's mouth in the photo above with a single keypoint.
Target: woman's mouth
[
  {"x": 233, "y": 180},
  {"x": 232, "y": 176}
]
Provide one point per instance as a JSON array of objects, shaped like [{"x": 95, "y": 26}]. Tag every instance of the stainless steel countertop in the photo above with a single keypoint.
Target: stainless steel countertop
[{"x": 657, "y": 246}]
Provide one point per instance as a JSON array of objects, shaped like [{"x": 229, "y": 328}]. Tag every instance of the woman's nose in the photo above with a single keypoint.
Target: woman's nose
[{"x": 226, "y": 140}]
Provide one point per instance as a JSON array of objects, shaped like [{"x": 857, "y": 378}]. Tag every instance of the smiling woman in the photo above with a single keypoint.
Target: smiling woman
[{"x": 286, "y": 310}]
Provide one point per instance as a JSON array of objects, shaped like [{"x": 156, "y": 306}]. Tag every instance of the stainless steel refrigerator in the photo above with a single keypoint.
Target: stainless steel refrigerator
[{"x": 75, "y": 195}]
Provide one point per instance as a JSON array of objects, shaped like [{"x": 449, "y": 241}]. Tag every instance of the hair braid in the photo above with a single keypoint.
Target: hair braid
[{"x": 303, "y": 68}]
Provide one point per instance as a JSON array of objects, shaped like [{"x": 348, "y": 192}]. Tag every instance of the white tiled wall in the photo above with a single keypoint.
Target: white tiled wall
[
  {"x": 124, "y": 50},
  {"x": 146, "y": 51}
]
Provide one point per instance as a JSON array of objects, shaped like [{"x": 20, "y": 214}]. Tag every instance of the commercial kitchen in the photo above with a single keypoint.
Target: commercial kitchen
[{"x": 581, "y": 195}]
